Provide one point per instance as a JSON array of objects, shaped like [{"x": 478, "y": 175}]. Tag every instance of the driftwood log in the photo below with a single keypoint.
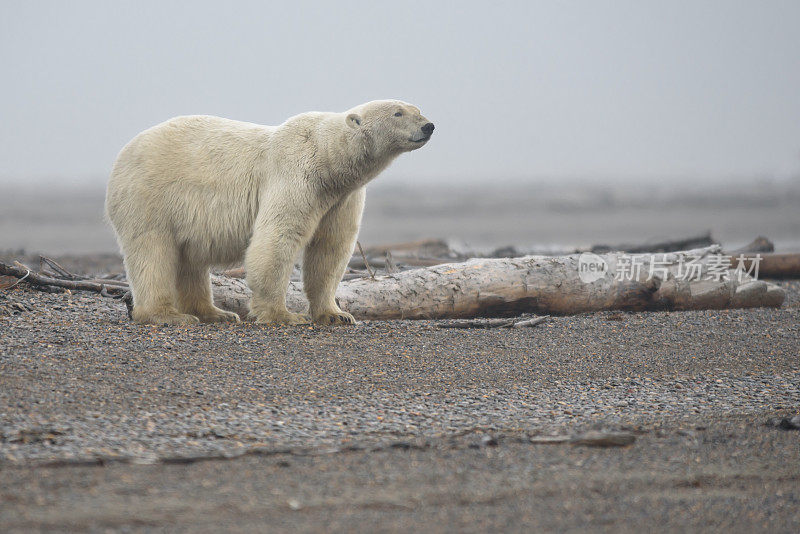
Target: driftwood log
[
  {"x": 672, "y": 245},
  {"x": 429, "y": 252},
  {"x": 774, "y": 265},
  {"x": 498, "y": 287}
]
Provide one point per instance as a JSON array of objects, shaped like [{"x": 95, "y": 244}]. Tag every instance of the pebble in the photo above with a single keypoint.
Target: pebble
[{"x": 603, "y": 439}]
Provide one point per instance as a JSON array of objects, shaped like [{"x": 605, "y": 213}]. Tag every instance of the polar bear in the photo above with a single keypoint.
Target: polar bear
[{"x": 198, "y": 191}]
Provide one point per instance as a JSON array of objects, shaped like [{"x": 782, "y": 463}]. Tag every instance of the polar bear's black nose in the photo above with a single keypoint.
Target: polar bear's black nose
[{"x": 428, "y": 128}]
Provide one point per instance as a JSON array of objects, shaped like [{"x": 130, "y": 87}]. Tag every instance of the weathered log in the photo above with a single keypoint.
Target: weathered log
[
  {"x": 759, "y": 244},
  {"x": 537, "y": 284},
  {"x": 430, "y": 252},
  {"x": 673, "y": 245},
  {"x": 771, "y": 265},
  {"x": 436, "y": 247}
]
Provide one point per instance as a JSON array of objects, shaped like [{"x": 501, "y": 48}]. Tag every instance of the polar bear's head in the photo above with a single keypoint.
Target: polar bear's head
[{"x": 391, "y": 126}]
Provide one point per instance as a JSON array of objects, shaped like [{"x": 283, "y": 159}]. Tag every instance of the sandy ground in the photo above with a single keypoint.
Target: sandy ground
[{"x": 395, "y": 426}]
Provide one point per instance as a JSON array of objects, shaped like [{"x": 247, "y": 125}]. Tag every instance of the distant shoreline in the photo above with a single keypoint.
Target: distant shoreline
[{"x": 63, "y": 219}]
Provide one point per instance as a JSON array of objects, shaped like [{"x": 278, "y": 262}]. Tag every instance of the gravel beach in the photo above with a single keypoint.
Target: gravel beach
[{"x": 390, "y": 426}]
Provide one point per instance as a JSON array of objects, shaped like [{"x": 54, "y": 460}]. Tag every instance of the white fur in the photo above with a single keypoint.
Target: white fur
[{"x": 198, "y": 191}]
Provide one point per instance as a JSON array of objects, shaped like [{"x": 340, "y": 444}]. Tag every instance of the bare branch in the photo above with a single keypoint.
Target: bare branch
[{"x": 369, "y": 269}]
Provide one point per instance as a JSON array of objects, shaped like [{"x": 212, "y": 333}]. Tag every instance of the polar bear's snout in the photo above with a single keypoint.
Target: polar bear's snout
[{"x": 426, "y": 132}]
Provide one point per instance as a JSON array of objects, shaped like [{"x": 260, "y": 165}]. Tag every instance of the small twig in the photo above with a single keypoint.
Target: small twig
[
  {"x": 127, "y": 298},
  {"x": 390, "y": 267},
  {"x": 477, "y": 323},
  {"x": 547, "y": 440},
  {"x": 366, "y": 263},
  {"x": 493, "y": 323},
  {"x": 58, "y": 268},
  {"x": 119, "y": 277},
  {"x": 531, "y": 322},
  {"x": 105, "y": 282}
]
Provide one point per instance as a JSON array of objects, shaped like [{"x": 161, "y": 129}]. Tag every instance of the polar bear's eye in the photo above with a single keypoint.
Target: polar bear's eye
[{"x": 398, "y": 114}]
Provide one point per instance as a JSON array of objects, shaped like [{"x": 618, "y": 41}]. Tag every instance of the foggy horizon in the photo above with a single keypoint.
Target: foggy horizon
[{"x": 519, "y": 92}]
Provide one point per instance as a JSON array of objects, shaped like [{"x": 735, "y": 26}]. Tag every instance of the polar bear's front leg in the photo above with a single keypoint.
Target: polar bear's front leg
[
  {"x": 326, "y": 258},
  {"x": 279, "y": 234}
]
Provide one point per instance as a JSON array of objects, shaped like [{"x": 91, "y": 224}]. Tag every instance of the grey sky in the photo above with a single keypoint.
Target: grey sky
[{"x": 517, "y": 89}]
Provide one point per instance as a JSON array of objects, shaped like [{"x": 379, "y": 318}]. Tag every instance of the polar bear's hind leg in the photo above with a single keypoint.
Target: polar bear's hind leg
[
  {"x": 195, "y": 297},
  {"x": 151, "y": 263}
]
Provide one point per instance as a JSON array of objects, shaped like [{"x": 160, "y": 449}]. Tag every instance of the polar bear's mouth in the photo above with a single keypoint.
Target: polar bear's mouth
[{"x": 420, "y": 140}]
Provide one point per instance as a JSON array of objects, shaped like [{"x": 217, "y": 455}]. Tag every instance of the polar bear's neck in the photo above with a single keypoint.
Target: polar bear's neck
[
  {"x": 354, "y": 159},
  {"x": 332, "y": 156}
]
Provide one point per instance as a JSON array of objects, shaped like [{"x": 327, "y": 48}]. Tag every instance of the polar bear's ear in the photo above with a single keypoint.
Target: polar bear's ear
[{"x": 354, "y": 120}]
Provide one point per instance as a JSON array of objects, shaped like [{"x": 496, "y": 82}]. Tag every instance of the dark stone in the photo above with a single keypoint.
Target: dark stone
[
  {"x": 785, "y": 423},
  {"x": 488, "y": 441}
]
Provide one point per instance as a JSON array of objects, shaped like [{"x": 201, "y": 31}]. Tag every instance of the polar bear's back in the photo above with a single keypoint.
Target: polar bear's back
[
  {"x": 191, "y": 178},
  {"x": 193, "y": 147}
]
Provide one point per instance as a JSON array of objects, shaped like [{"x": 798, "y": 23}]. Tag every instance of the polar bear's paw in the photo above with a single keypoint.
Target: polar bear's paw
[
  {"x": 281, "y": 317},
  {"x": 164, "y": 318},
  {"x": 217, "y": 315},
  {"x": 334, "y": 317}
]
